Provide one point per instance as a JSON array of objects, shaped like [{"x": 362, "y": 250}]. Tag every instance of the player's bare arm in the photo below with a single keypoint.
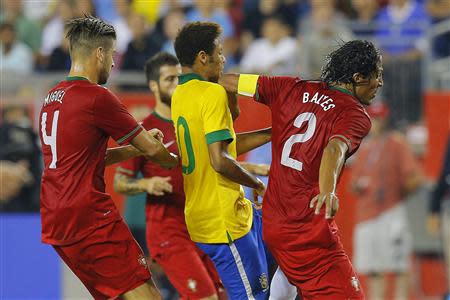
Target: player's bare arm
[
  {"x": 256, "y": 169},
  {"x": 230, "y": 82},
  {"x": 333, "y": 159},
  {"x": 118, "y": 154},
  {"x": 154, "y": 150},
  {"x": 247, "y": 141},
  {"x": 128, "y": 185},
  {"x": 233, "y": 104},
  {"x": 224, "y": 164}
]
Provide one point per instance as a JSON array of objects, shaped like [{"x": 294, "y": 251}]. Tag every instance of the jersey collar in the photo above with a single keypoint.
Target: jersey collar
[
  {"x": 71, "y": 78},
  {"x": 183, "y": 78},
  {"x": 342, "y": 90},
  {"x": 161, "y": 117}
]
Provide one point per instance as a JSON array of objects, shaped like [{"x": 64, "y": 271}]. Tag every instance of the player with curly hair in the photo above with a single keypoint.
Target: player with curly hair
[{"x": 317, "y": 125}]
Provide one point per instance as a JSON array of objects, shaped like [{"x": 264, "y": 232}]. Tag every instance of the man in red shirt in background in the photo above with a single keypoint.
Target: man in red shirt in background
[
  {"x": 189, "y": 269},
  {"x": 79, "y": 219},
  {"x": 316, "y": 126},
  {"x": 384, "y": 174}
]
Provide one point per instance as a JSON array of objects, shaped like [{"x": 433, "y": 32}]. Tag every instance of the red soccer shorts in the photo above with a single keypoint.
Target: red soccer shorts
[
  {"x": 190, "y": 270},
  {"x": 313, "y": 259},
  {"x": 109, "y": 262}
]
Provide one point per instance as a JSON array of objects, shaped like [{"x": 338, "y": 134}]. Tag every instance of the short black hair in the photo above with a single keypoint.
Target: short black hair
[
  {"x": 357, "y": 56},
  {"x": 195, "y": 37},
  {"x": 88, "y": 33},
  {"x": 153, "y": 65}
]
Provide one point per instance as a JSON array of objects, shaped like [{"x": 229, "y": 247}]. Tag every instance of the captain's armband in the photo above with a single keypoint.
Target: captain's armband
[{"x": 247, "y": 84}]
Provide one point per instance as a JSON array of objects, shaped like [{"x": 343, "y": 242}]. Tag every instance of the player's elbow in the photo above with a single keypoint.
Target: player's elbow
[
  {"x": 217, "y": 166},
  {"x": 218, "y": 163},
  {"x": 117, "y": 184},
  {"x": 336, "y": 148},
  {"x": 235, "y": 112}
]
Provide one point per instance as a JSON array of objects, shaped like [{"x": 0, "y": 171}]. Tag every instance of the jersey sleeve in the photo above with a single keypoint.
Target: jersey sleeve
[
  {"x": 216, "y": 115},
  {"x": 269, "y": 88},
  {"x": 111, "y": 116},
  {"x": 351, "y": 126}
]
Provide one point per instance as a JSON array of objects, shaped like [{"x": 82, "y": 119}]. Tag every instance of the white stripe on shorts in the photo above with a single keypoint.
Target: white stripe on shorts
[{"x": 240, "y": 266}]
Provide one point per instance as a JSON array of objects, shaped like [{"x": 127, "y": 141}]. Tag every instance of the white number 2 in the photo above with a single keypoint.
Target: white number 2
[
  {"x": 50, "y": 140},
  {"x": 298, "y": 138}
]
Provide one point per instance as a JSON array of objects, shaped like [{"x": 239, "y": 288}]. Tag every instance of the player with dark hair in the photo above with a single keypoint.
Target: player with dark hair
[
  {"x": 218, "y": 217},
  {"x": 317, "y": 125},
  {"x": 79, "y": 219},
  {"x": 189, "y": 269}
]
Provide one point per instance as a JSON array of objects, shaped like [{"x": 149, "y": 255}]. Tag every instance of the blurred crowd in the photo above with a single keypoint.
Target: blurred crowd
[
  {"x": 289, "y": 37},
  {"x": 259, "y": 36}
]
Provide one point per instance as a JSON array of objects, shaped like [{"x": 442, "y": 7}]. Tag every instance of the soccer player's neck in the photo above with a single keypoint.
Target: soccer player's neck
[
  {"x": 195, "y": 69},
  {"x": 163, "y": 110},
  {"x": 343, "y": 86},
  {"x": 83, "y": 70}
]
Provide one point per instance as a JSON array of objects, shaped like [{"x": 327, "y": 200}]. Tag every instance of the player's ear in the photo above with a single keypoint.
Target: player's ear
[
  {"x": 359, "y": 79},
  {"x": 100, "y": 54},
  {"x": 153, "y": 86},
  {"x": 202, "y": 56}
]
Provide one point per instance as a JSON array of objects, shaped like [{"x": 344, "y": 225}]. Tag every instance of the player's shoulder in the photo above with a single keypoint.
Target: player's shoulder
[
  {"x": 151, "y": 121},
  {"x": 101, "y": 90},
  {"x": 281, "y": 81},
  {"x": 103, "y": 94},
  {"x": 212, "y": 86},
  {"x": 213, "y": 89}
]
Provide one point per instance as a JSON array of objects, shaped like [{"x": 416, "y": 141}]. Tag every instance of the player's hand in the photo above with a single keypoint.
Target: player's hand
[
  {"x": 331, "y": 204},
  {"x": 433, "y": 224},
  {"x": 157, "y": 134},
  {"x": 157, "y": 186},
  {"x": 258, "y": 192}
]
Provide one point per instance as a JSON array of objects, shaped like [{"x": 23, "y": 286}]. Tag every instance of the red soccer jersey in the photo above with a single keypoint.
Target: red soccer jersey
[
  {"x": 164, "y": 214},
  {"x": 76, "y": 121},
  {"x": 305, "y": 116}
]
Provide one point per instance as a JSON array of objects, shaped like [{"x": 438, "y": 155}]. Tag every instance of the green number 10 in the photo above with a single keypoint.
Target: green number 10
[{"x": 187, "y": 140}]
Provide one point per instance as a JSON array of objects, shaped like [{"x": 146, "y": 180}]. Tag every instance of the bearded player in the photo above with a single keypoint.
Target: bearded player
[{"x": 79, "y": 219}]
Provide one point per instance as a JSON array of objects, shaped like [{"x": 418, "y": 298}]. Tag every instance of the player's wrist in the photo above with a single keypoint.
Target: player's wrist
[
  {"x": 260, "y": 186},
  {"x": 141, "y": 184}
]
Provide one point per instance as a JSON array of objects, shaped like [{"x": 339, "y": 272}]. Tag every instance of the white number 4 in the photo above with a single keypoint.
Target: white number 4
[
  {"x": 50, "y": 140},
  {"x": 286, "y": 160}
]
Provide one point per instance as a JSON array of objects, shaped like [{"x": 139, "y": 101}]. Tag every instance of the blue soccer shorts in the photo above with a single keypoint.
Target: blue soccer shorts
[{"x": 242, "y": 264}]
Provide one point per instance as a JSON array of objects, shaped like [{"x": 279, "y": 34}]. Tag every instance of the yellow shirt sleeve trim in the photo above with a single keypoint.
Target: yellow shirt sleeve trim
[{"x": 247, "y": 84}]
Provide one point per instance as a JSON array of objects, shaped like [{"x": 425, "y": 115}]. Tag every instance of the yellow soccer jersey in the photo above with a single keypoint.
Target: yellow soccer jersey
[{"x": 216, "y": 210}]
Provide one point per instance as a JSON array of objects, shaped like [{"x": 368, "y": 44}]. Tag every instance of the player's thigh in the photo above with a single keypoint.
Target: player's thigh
[
  {"x": 328, "y": 275},
  {"x": 109, "y": 262},
  {"x": 147, "y": 290},
  {"x": 241, "y": 265},
  {"x": 186, "y": 271}
]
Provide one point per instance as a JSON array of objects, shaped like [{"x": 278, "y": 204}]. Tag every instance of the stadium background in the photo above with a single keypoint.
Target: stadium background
[{"x": 417, "y": 89}]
